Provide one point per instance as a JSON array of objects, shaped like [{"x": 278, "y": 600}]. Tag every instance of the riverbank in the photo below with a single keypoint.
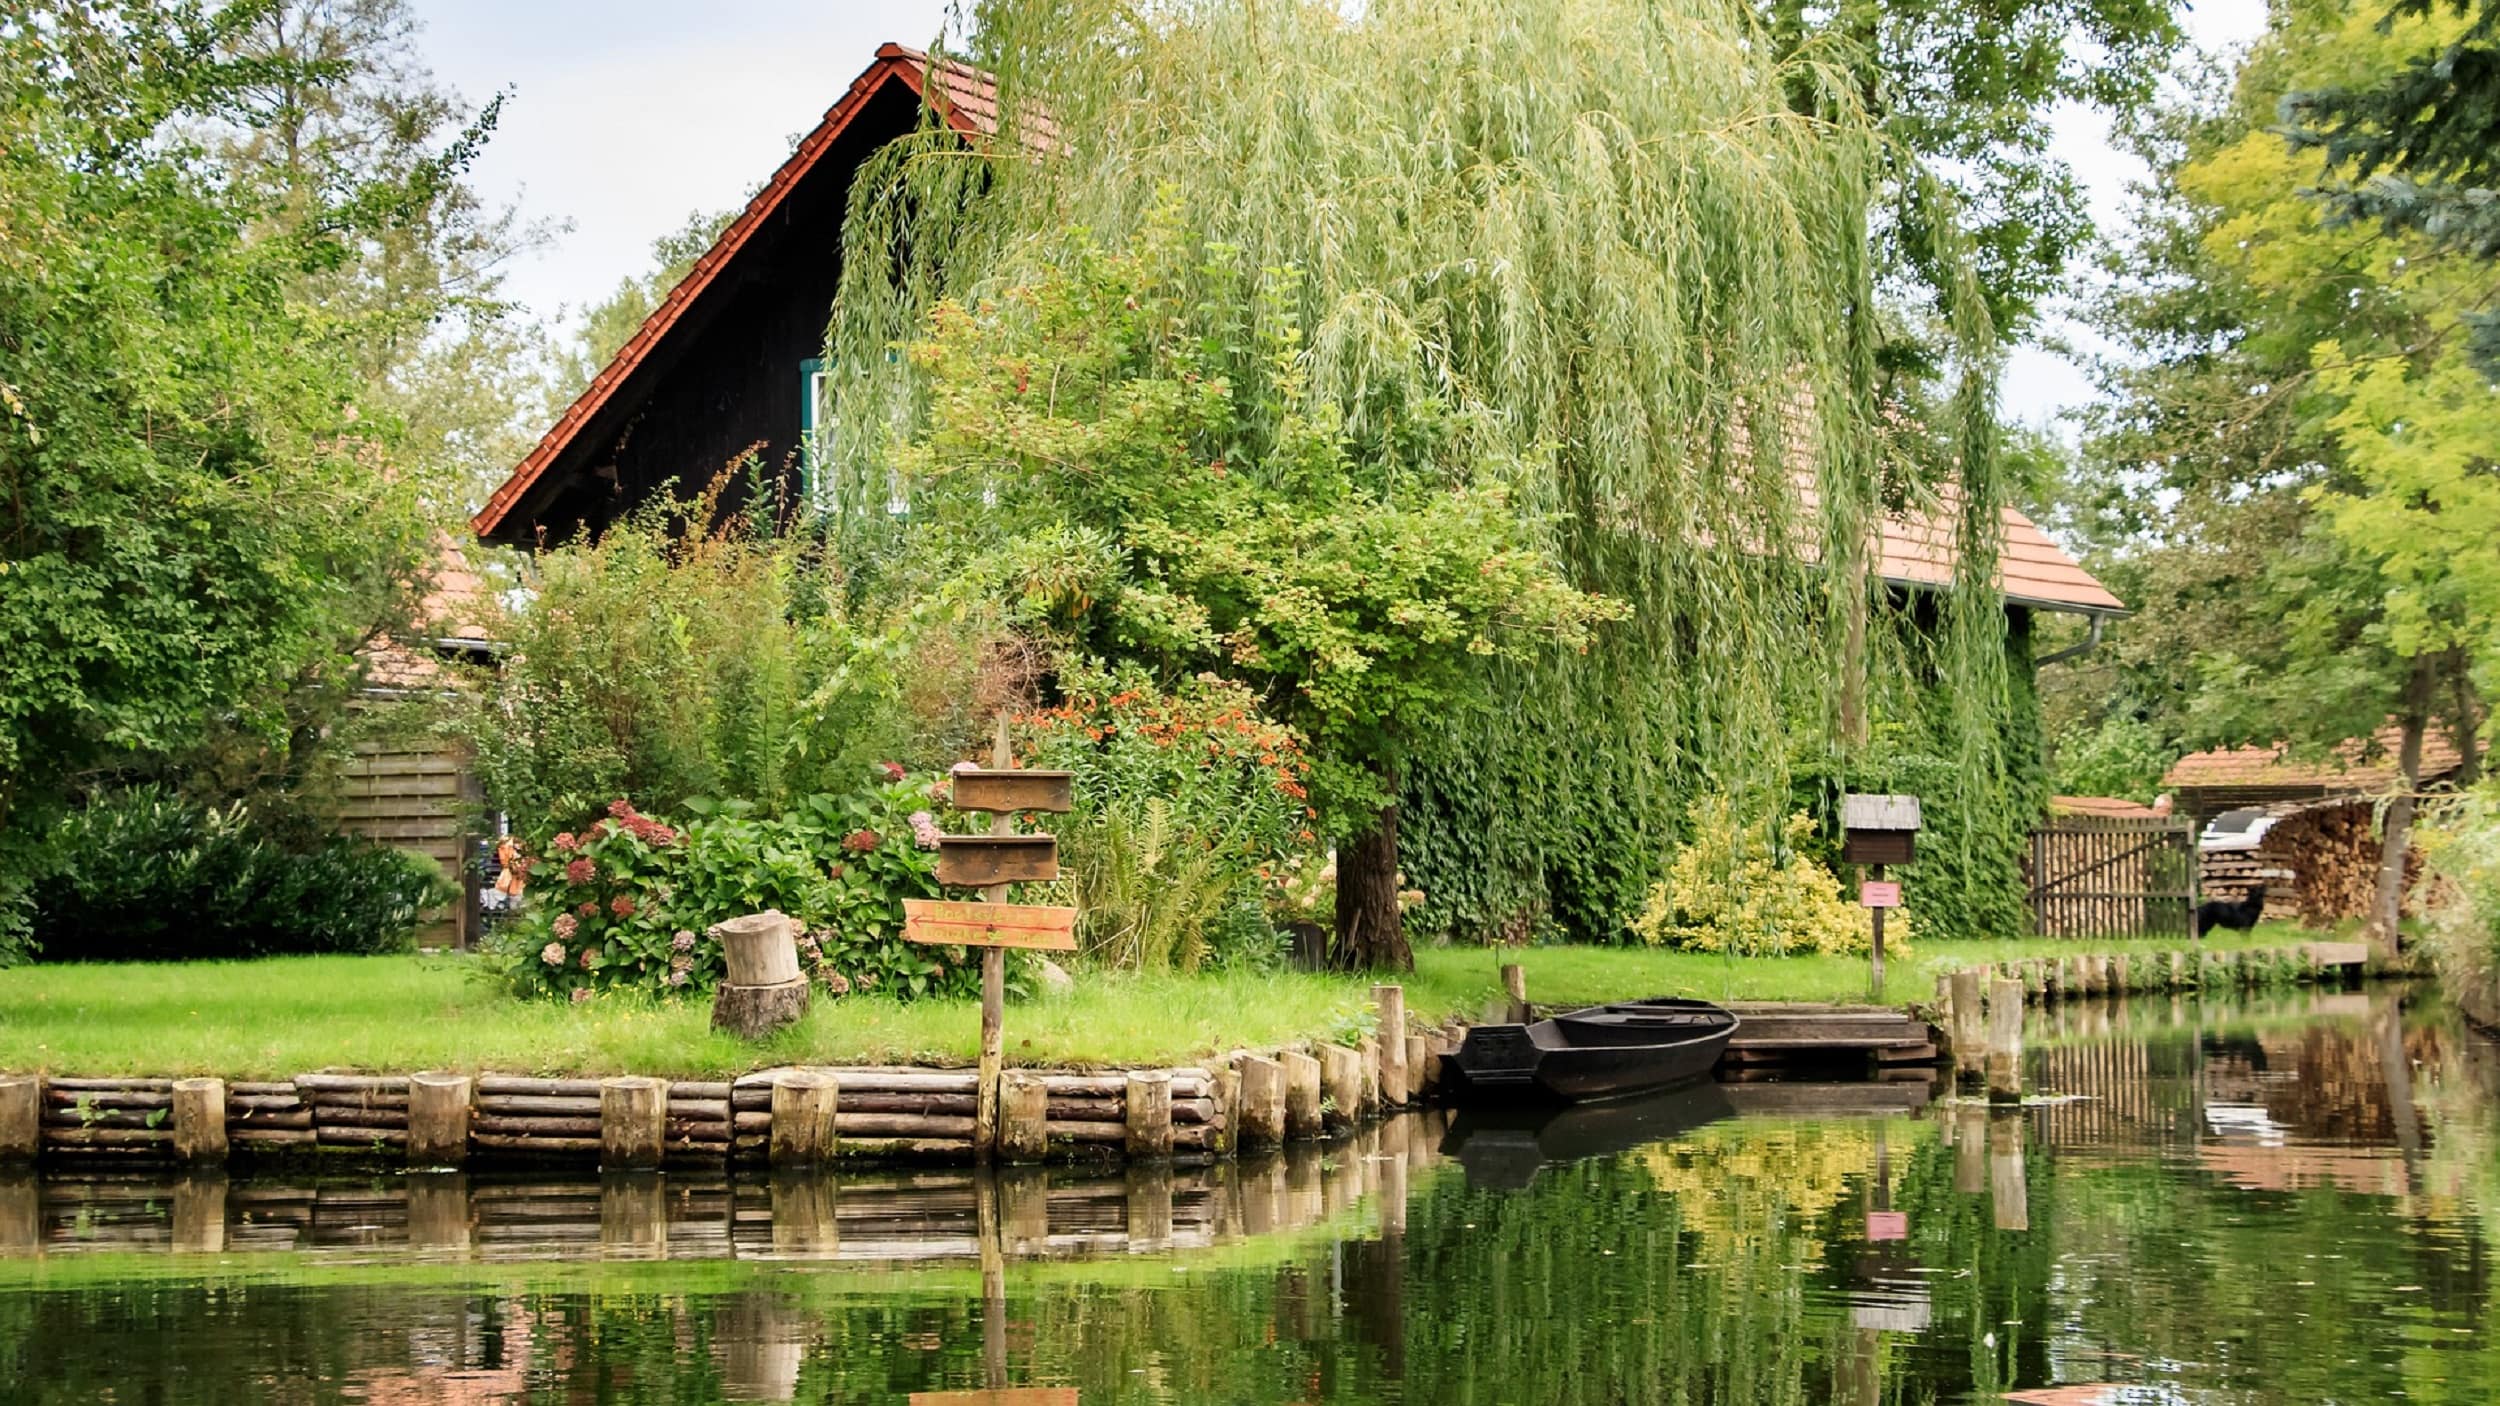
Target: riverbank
[{"x": 278, "y": 1016}]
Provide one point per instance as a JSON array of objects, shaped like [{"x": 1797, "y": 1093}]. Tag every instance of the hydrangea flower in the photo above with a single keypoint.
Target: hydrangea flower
[
  {"x": 924, "y": 829},
  {"x": 683, "y": 941},
  {"x": 860, "y": 841},
  {"x": 837, "y": 983},
  {"x": 622, "y": 905},
  {"x": 580, "y": 994},
  {"x": 590, "y": 958},
  {"x": 553, "y": 953},
  {"x": 589, "y": 908},
  {"x": 565, "y": 925},
  {"x": 581, "y": 871},
  {"x": 679, "y": 977},
  {"x": 893, "y": 770},
  {"x": 680, "y": 963},
  {"x": 565, "y": 843}
]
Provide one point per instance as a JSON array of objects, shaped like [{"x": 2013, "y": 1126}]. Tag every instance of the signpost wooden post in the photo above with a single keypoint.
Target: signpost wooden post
[
  {"x": 1876, "y": 831},
  {"x": 990, "y": 863}
]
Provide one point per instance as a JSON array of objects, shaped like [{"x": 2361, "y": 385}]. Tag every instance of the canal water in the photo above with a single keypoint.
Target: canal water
[{"x": 2292, "y": 1201}]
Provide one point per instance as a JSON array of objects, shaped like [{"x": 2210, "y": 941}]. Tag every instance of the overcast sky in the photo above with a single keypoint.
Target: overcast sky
[{"x": 626, "y": 116}]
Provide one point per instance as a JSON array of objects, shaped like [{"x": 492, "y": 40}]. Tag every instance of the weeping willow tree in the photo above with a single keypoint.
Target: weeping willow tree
[{"x": 1624, "y": 248}]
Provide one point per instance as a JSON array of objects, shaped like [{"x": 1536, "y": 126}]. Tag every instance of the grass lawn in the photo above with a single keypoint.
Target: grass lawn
[{"x": 288, "y": 1015}]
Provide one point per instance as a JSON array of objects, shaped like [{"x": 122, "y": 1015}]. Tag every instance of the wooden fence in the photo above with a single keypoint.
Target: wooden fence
[
  {"x": 418, "y": 800},
  {"x": 2113, "y": 876}
]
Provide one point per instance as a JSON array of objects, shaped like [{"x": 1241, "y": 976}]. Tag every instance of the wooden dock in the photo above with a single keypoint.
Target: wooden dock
[{"x": 1780, "y": 1035}]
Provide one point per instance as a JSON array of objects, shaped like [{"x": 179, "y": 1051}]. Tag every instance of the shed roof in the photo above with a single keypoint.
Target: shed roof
[{"x": 2357, "y": 764}]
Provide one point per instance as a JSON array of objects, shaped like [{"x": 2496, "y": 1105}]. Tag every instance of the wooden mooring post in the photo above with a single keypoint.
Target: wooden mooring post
[
  {"x": 805, "y": 1106},
  {"x": 21, "y": 1117},
  {"x": 1389, "y": 1002},
  {"x": 1515, "y": 986},
  {"x": 438, "y": 1119},
  {"x": 1969, "y": 1031},
  {"x": 200, "y": 1120},
  {"x": 2005, "y": 1041}
]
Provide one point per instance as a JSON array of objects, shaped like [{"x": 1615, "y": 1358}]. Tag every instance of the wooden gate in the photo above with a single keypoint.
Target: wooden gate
[{"x": 2113, "y": 876}]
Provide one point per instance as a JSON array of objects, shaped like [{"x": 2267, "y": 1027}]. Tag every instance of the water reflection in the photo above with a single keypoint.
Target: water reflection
[{"x": 2288, "y": 1202}]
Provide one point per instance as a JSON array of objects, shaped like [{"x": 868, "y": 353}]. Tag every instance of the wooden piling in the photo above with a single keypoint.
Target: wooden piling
[
  {"x": 2005, "y": 1042},
  {"x": 1341, "y": 1078},
  {"x": 1149, "y": 1113},
  {"x": 633, "y": 1121},
  {"x": 21, "y": 1117},
  {"x": 200, "y": 1120},
  {"x": 438, "y": 1119},
  {"x": 1969, "y": 1030},
  {"x": 1368, "y": 1050},
  {"x": 1389, "y": 1003},
  {"x": 1262, "y": 1101},
  {"x": 1969, "y": 1126},
  {"x": 1515, "y": 986},
  {"x": 1302, "y": 1094},
  {"x": 1419, "y": 1068},
  {"x": 2121, "y": 974},
  {"x": 1023, "y": 1117},
  {"x": 806, "y": 1105}
]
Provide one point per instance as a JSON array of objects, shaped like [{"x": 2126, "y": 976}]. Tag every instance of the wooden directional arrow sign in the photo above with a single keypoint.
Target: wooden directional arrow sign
[{"x": 1033, "y": 926}]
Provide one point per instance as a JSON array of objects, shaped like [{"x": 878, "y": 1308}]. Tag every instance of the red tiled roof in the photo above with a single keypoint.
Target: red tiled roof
[
  {"x": 1917, "y": 550},
  {"x": 964, "y": 96},
  {"x": 2357, "y": 764},
  {"x": 2098, "y": 805}
]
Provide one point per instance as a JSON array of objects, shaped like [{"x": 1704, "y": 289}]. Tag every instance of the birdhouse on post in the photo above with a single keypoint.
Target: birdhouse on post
[{"x": 1876, "y": 831}]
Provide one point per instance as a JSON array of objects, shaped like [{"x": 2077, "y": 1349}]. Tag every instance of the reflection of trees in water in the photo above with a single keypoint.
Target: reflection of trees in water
[{"x": 1727, "y": 1266}]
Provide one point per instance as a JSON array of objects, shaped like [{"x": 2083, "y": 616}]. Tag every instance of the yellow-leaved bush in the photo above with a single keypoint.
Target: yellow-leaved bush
[{"x": 1743, "y": 889}]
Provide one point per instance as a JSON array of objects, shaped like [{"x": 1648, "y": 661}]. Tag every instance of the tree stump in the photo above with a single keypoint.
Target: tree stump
[
  {"x": 764, "y": 990},
  {"x": 1262, "y": 1102}
]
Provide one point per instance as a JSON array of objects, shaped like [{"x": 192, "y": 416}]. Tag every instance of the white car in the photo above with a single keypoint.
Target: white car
[{"x": 2235, "y": 829}]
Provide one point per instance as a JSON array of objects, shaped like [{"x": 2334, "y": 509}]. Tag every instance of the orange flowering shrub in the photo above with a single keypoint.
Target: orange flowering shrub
[{"x": 1187, "y": 800}]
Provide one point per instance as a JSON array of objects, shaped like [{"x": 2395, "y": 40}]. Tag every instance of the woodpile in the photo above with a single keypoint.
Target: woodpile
[{"x": 2319, "y": 862}]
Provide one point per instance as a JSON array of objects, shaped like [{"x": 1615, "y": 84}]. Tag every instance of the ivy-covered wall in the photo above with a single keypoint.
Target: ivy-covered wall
[{"x": 1554, "y": 821}]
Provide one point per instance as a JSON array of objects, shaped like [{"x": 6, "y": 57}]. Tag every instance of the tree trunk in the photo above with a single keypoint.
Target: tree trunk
[
  {"x": 2464, "y": 728},
  {"x": 2387, "y": 906},
  {"x": 1370, "y": 931}
]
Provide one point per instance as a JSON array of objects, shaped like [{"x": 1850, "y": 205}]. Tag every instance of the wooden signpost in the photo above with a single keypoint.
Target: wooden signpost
[{"x": 991, "y": 862}]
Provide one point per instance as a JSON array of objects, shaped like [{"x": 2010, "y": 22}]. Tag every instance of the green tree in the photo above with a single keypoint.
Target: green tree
[
  {"x": 2418, "y": 148},
  {"x": 203, "y": 511},
  {"x": 1086, "y": 449},
  {"x": 1622, "y": 254},
  {"x": 2308, "y": 480}
]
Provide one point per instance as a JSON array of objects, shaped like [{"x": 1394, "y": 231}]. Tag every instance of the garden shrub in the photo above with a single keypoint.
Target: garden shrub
[
  {"x": 1185, "y": 802},
  {"x": 145, "y": 874},
  {"x": 628, "y": 903},
  {"x": 670, "y": 668},
  {"x": 1753, "y": 891},
  {"x": 2460, "y": 840}
]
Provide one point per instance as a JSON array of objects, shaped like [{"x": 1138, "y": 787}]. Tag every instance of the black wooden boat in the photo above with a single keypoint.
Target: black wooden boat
[{"x": 1610, "y": 1051}]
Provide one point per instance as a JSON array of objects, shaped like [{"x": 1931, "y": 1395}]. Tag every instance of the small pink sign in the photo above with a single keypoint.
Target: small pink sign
[
  {"x": 1875, "y": 895},
  {"x": 1887, "y": 1225}
]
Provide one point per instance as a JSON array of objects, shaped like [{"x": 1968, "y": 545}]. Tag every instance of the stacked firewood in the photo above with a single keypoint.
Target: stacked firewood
[{"x": 2319, "y": 863}]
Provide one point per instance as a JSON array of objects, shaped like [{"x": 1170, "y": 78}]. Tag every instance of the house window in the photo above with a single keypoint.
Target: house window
[
  {"x": 819, "y": 432},
  {"x": 815, "y": 427}
]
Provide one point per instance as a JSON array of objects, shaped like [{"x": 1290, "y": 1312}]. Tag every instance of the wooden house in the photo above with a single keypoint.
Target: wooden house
[{"x": 729, "y": 364}]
